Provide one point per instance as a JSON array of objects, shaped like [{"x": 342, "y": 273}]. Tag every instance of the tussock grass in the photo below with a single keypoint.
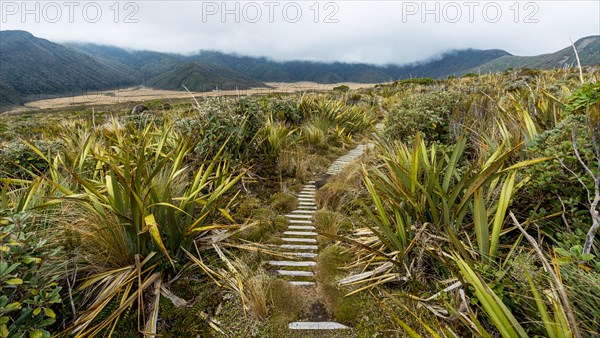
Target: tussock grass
[{"x": 140, "y": 204}]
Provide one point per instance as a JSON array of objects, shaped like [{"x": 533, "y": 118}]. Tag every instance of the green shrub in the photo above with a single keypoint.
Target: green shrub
[
  {"x": 18, "y": 160},
  {"x": 286, "y": 109},
  {"x": 584, "y": 97},
  {"x": 27, "y": 293},
  {"x": 247, "y": 206},
  {"x": 418, "y": 81},
  {"x": 282, "y": 202},
  {"x": 342, "y": 88},
  {"x": 157, "y": 105},
  {"x": 347, "y": 310},
  {"x": 232, "y": 124},
  {"x": 550, "y": 182},
  {"x": 30, "y": 128},
  {"x": 355, "y": 97},
  {"x": 428, "y": 113},
  {"x": 3, "y": 128}
]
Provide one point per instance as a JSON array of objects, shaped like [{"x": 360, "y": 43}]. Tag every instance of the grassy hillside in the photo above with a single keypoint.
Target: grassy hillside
[
  {"x": 202, "y": 77},
  {"x": 588, "y": 49},
  {"x": 453, "y": 63},
  {"x": 31, "y": 66},
  {"x": 143, "y": 64}
]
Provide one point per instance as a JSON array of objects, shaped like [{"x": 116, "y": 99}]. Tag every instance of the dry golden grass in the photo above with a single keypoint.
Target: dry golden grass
[{"x": 142, "y": 94}]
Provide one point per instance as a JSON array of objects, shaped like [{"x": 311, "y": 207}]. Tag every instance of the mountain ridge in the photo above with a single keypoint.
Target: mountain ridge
[
  {"x": 33, "y": 66},
  {"x": 588, "y": 49},
  {"x": 43, "y": 67}
]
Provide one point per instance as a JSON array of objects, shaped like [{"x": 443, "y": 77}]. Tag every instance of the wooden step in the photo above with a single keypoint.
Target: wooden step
[
  {"x": 298, "y": 221},
  {"x": 300, "y": 254},
  {"x": 292, "y": 263},
  {"x": 295, "y": 273},
  {"x": 299, "y": 283},
  {"x": 300, "y": 211},
  {"x": 301, "y": 227},
  {"x": 299, "y": 233},
  {"x": 299, "y": 216},
  {"x": 316, "y": 326},
  {"x": 299, "y": 240},
  {"x": 299, "y": 247}
]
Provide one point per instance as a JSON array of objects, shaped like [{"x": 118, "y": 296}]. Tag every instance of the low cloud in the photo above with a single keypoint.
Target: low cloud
[{"x": 376, "y": 32}]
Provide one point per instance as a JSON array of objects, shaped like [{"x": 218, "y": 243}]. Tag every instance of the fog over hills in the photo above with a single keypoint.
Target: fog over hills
[{"x": 32, "y": 66}]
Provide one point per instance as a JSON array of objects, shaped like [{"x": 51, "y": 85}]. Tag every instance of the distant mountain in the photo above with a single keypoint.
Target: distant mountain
[
  {"x": 452, "y": 63},
  {"x": 200, "y": 77},
  {"x": 32, "y": 66},
  {"x": 267, "y": 70},
  {"x": 144, "y": 65},
  {"x": 588, "y": 49}
]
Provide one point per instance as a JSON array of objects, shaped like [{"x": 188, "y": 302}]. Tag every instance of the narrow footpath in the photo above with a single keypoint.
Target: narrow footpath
[{"x": 300, "y": 242}]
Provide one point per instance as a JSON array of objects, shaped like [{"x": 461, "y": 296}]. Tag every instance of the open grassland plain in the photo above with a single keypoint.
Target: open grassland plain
[{"x": 142, "y": 94}]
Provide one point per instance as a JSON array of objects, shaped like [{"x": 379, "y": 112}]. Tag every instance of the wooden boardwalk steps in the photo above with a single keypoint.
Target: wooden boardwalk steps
[{"x": 301, "y": 242}]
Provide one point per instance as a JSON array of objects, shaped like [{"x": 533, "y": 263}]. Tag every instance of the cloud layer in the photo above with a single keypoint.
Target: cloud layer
[{"x": 351, "y": 31}]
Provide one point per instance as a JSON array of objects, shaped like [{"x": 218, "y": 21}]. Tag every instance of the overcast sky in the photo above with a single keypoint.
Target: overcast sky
[{"x": 351, "y": 31}]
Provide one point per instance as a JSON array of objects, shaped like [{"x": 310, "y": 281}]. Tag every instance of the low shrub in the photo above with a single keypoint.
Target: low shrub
[
  {"x": 283, "y": 202},
  {"x": 28, "y": 293},
  {"x": 428, "y": 113},
  {"x": 17, "y": 160},
  {"x": 550, "y": 183}
]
